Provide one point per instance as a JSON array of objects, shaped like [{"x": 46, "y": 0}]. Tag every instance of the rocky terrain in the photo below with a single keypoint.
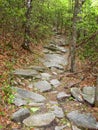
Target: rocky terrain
[{"x": 44, "y": 100}]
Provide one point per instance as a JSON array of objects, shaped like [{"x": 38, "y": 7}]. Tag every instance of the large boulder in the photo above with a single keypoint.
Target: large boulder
[
  {"x": 58, "y": 112},
  {"x": 89, "y": 94},
  {"x": 28, "y": 96},
  {"x": 77, "y": 94},
  {"x": 25, "y": 72},
  {"x": 39, "y": 120},
  {"x": 83, "y": 120},
  {"x": 43, "y": 86},
  {"x": 20, "y": 115}
]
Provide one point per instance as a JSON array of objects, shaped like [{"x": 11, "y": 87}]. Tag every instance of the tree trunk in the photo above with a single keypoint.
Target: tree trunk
[
  {"x": 76, "y": 10},
  {"x": 26, "y": 42},
  {"x": 96, "y": 93},
  {"x": 74, "y": 36}
]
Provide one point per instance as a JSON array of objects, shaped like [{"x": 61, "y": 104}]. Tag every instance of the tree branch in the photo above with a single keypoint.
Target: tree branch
[{"x": 87, "y": 39}]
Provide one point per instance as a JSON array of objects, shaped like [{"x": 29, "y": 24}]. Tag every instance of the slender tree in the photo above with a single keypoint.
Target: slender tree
[
  {"x": 77, "y": 8},
  {"x": 26, "y": 42},
  {"x": 74, "y": 35}
]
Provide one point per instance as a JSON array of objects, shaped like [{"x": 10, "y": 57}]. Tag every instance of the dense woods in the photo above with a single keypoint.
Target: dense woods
[
  {"x": 28, "y": 24},
  {"x": 35, "y": 20}
]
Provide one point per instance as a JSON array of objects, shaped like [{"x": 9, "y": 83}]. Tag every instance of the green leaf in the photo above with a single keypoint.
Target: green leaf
[
  {"x": 34, "y": 109},
  {"x": 1, "y": 126}
]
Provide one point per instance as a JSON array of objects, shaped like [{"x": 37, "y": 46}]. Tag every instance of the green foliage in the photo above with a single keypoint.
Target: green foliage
[
  {"x": 8, "y": 96},
  {"x": 1, "y": 127},
  {"x": 71, "y": 98},
  {"x": 11, "y": 98},
  {"x": 2, "y": 113},
  {"x": 12, "y": 13},
  {"x": 34, "y": 109},
  {"x": 46, "y": 15},
  {"x": 87, "y": 25}
]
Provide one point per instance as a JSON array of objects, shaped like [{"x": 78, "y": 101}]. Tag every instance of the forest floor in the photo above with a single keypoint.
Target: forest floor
[{"x": 50, "y": 61}]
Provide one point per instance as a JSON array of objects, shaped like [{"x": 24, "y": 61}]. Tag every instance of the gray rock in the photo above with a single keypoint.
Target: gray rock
[
  {"x": 57, "y": 70},
  {"x": 50, "y": 64},
  {"x": 83, "y": 120},
  {"x": 62, "y": 95},
  {"x": 75, "y": 128},
  {"x": 37, "y": 68},
  {"x": 77, "y": 94},
  {"x": 35, "y": 104},
  {"x": 55, "y": 60},
  {"x": 39, "y": 120},
  {"x": 62, "y": 49},
  {"x": 25, "y": 72},
  {"x": 53, "y": 103},
  {"x": 89, "y": 94},
  {"x": 37, "y": 77},
  {"x": 55, "y": 82},
  {"x": 43, "y": 86},
  {"x": 60, "y": 127},
  {"x": 46, "y": 51},
  {"x": 45, "y": 76},
  {"x": 58, "y": 112},
  {"x": 20, "y": 115},
  {"x": 27, "y": 95},
  {"x": 19, "y": 102},
  {"x": 54, "y": 47}
]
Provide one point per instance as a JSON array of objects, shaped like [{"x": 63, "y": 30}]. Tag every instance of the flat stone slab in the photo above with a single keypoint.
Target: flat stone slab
[
  {"x": 45, "y": 76},
  {"x": 28, "y": 95},
  {"x": 62, "y": 95},
  {"x": 25, "y": 72},
  {"x": 58, "y": 112},
  {"x": 89, "y": 94},
  {"x": 39, "y": 120},
  {"x": 59, "y": 59},
  {"x": 62, "y": 49},
  {"x": 46, "y": 51},
  {"x": 83, "y": 120},
  {"x": 19, "y": 102},
  {"x": 55, "y": 60},
  {"x": 77, "y": 94},
  {"x": 43, "y": 86},
  {"x": 75, "y": 128},
  {"x": 54, "y": 47},
  {"x": 55, "y": 82},
  {"x": 33, "y": 104},
  {"x": 53, "y": 103},
  {"x": 37, "y": 68},
  {"x": 20, "y": 115},
  {"x": 51, "y": 64},
  {"x": 56, "y": 70},
  {"x": 60, "y": 127}
]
